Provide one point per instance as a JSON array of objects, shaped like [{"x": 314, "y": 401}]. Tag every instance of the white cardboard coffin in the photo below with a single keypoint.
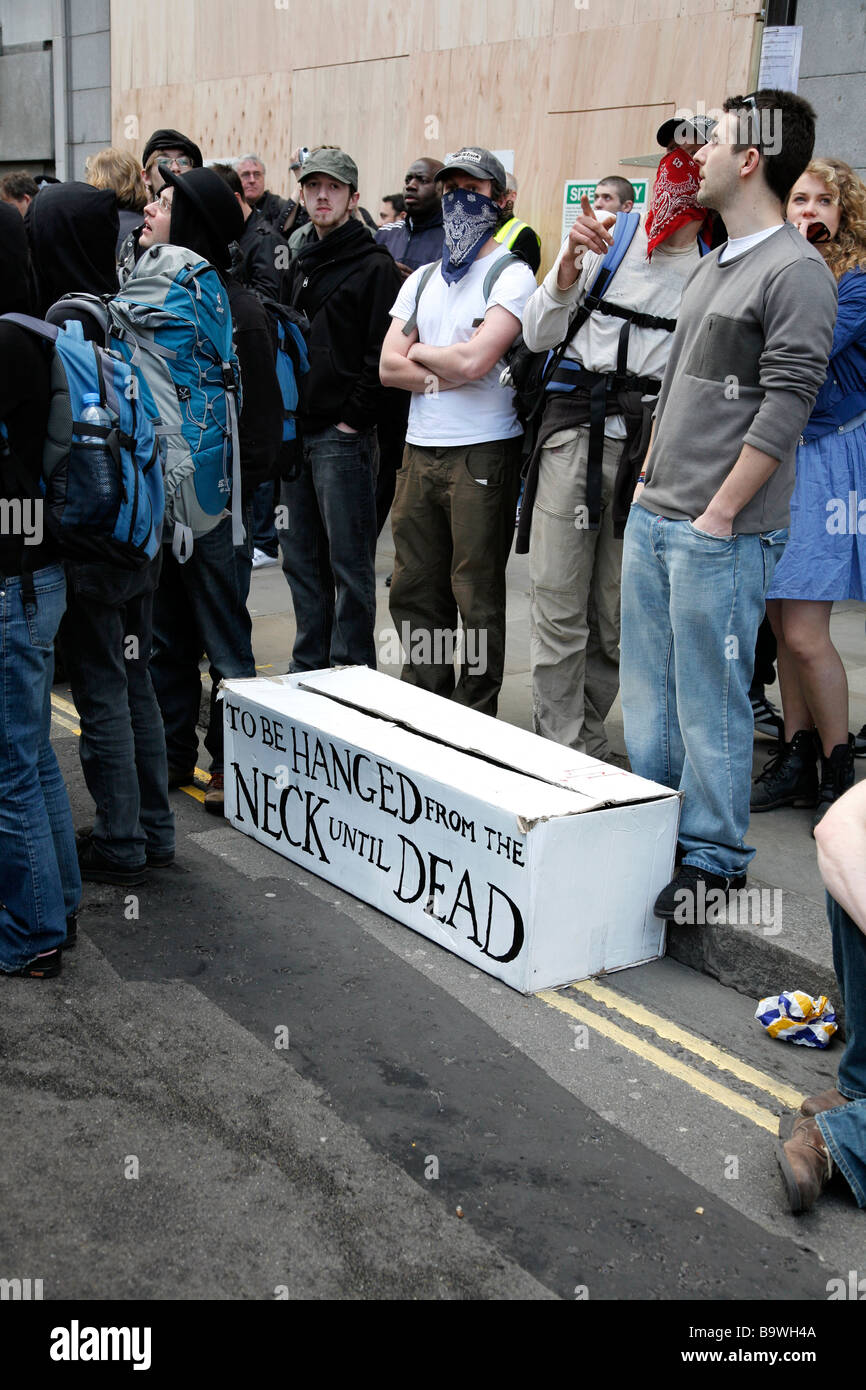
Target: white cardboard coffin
[{"x": 537, "y": 864}]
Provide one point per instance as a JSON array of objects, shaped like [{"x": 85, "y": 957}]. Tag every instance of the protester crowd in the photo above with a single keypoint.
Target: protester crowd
[{"x": 682, "y": 402}]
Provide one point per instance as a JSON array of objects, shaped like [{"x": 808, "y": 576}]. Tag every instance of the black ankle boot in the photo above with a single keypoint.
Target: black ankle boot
[
  {"x": 837, "y": 775},
  {"x": 791, "y": 777}
]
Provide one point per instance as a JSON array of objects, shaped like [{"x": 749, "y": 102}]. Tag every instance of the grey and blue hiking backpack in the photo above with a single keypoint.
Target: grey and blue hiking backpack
[
  {"x": 102, "y": 484},
  {"x": 172, "y": 323}
]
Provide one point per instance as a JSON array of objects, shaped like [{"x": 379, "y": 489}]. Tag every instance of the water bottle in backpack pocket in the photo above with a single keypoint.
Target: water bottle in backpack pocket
[{"x": 94, "y": 483}]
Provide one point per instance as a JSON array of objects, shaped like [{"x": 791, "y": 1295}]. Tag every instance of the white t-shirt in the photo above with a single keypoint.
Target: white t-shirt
[
  {"x": 735, "y": 246},
  {"x": 479, "y": 410}
]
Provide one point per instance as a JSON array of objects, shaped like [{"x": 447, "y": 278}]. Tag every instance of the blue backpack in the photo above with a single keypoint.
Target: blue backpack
[
  {"x": 292, "y": 359},
  {"x": 172, "y": 323},
  {"x": 105, "y": 501}
]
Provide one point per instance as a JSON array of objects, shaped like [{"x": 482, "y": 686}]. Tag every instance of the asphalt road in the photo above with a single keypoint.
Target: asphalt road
[{"x": 247, "y": 1085}]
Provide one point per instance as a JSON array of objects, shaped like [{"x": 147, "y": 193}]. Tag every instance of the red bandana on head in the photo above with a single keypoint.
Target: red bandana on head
[{"x": 674, "y": 196}]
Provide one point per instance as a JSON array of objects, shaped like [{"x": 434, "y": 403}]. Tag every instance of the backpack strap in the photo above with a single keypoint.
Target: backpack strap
[
  {"x": 490, "y": 279},
  {"x": 412, "y": 321},
  {"x": 496, "y": 270},
  {"x": 49, "y": 331}
]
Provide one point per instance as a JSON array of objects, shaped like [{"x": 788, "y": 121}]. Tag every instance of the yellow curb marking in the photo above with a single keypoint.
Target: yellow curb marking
[
  {"x": 765, "y": 1119},
  {"x": 718, "y": 1056}
]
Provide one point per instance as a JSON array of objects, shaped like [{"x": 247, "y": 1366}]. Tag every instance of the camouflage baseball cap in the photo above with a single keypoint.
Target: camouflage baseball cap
[{"x": 335, "y": 163}]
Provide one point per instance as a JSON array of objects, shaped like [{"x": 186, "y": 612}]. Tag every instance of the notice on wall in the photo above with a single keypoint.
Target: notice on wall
[
  {"x": 780, "y": 56},
  {"x": 575, "y": 189}
]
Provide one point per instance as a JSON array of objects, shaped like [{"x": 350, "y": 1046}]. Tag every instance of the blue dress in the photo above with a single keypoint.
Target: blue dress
[{"x": 825, "y": 558}]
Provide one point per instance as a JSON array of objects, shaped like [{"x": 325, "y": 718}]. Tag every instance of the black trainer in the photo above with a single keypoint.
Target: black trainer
[
  {"x": 768, "y": 720},
  {"x": 837, "y": 775},
  {"x": 860, "y": 743},
  {"x": 96, "y": 868},
  {"x": 790, "y": 777},
  {"x": 683, "y": 901}
]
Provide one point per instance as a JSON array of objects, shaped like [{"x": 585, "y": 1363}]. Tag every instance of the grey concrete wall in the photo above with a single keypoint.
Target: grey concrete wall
[
  {"x": 833, "y": 75},
  {"x": 89, "y": 81},
  {"x": 55, "y": 92}
]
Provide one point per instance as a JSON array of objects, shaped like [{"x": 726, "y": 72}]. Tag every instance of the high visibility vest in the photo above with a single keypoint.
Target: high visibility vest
[{"x": 510, "y": 231}]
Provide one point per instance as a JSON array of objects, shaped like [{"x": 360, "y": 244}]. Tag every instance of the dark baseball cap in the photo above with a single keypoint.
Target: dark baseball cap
[
  {"x": 335, "y": 163},
  {"x": 678, "y": 126},
  {"x": 472, "y": 159},
  {"x": 172, "y": 140}
]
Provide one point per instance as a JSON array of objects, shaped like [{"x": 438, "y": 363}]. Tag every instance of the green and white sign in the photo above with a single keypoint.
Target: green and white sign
[{"x": 576, "y": 188}]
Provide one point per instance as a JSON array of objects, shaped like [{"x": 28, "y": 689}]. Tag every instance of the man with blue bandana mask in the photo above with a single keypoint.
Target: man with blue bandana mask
[{"x": 453, "y": 513}]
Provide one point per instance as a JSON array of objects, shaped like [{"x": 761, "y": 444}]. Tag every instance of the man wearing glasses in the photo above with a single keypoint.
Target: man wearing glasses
[
  {"x": 710, "y": 519},
  {"x": 164, "y": 147}
]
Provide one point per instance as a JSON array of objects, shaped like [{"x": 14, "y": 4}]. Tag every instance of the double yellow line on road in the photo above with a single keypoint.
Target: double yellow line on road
[
  {"x": 672, "y": 1032},
  {"x": 66, "y": 715}
]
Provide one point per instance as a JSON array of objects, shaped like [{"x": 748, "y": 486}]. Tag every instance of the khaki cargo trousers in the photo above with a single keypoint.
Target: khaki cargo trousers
[
  {"x": 574, "y": 577},
  {"x": 453, "y": 524}
]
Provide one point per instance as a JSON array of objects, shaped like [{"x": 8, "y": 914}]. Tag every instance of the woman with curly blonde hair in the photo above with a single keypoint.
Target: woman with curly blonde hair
[
  {"x": 825, "y": 558},
  {"x": 119, "y": 171}
]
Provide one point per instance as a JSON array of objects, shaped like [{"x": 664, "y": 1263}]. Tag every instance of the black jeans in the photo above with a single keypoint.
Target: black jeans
[
  {"x": 200, "y": 607},
  {"x": 329, "y": 551},
  {"x": 107, "y": 640}
]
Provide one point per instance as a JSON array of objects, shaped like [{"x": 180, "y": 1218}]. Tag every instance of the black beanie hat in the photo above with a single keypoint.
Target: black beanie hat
[
  {"x": 205, "y": 215},
  {"x": 172, "y": 140}
]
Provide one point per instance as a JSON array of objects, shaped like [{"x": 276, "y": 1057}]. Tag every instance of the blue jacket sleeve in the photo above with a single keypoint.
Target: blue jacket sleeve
[{"x": 851, "y": 317}]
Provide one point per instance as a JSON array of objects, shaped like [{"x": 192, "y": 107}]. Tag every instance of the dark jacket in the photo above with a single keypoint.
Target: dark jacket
[
  {"x": 128, "y": 221},
  {"x": 73, "y": 231},
  {"x": 24, "y": 412},
  {"x": 346, "y": 285},
  {"x": 272, "y": 207},
  {"x": 265, "y": 256},
  {"x": 413, "y": 242},
  {"x": 261, "y": 420}
]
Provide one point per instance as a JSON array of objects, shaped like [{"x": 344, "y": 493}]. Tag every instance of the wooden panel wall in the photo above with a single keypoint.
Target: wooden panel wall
[{"x": 572, "y": 86}]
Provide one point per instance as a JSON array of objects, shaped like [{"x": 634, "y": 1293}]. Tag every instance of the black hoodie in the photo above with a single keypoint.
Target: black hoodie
[
  {"x": 346, "y": 285},
  {"x": 23, "y": 403},
  {"x": 73, "y": 239}
]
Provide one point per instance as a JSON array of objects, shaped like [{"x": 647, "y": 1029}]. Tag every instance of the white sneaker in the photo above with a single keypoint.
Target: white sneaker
[{"x": 262, "y": 558}]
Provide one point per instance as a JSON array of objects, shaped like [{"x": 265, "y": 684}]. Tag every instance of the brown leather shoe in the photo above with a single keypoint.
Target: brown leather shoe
[
  {"x": 826, "y": 1100},
  {"x": 805, "y": 1163},
  {"x": 214, "y": 797}
]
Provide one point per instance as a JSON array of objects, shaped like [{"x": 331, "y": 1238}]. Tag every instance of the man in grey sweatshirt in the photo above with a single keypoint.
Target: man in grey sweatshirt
[{"x": 710, "y": 521}]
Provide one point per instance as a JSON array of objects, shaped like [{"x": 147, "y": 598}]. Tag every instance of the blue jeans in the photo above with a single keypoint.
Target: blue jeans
[
  {"x": 199, "y": 607},
  {"x": 40, "y": 884},
  {"x": 108, "y": 634},
  {"x": 329, "y": 551},
  {"x": 691, "y": 608},
  {"x": 844, "y": 1129}
]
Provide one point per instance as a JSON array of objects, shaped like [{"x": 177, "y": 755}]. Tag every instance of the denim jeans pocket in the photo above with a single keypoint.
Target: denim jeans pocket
[
  {"x": 772, "y": 547},
  {"x": 43, "y": 617},
  {"x": 708, "y": 536}
]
